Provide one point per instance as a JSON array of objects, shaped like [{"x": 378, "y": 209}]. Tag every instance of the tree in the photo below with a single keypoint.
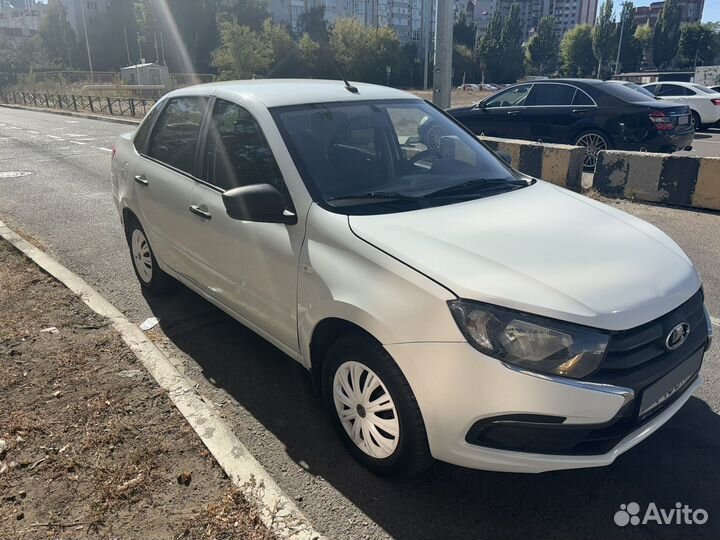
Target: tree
[
  {"x": 106, "y": 34},
  {"x": 697, "y": 41},
  {"x": 362, "y": 52},
  {"x": 667, "y": 34},
  {"x": 312, "y": 22},
  {"x": 489, "y": 49},
  {"x": 544, "y": 47},
  {"x": 242, "y": 53},
  {"x": 644, "y": 38},
  {"x": 57, "y": 38},
  {"x": 464, "y": 32},
  {"x": 604, "y": 37},
  {"x": 631, "y": 51},
  {"x": 512, "y": 50},
  {"x": 576, "y": 52},
  {"x": 251, "y": 13}
]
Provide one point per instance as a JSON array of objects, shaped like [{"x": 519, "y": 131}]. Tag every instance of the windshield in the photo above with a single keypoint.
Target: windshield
[{"x": 388, "y": 156}]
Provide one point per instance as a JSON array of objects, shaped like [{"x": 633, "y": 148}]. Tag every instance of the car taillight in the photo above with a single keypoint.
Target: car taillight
[
  {"x": 715, "y": 101},
  {"x": 661, "y": 120}
]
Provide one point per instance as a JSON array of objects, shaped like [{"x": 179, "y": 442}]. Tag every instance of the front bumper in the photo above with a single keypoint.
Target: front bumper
[{"x": 456, "y": 387}]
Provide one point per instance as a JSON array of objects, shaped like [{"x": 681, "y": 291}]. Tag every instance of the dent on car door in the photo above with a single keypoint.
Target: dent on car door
[
  {"x": 163, "y": 178},
  {"x": 250, "y": 267}
]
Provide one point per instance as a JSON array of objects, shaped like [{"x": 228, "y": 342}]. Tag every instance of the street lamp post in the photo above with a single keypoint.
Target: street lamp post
[
  {"x": 622, "y": 29},
  {"x": 697, "y": 52},
  {"x": 87, "y": 41}
]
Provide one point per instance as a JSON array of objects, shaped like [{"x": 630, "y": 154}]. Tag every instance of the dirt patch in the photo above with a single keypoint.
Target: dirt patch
[{"x": 90, "y": 446}]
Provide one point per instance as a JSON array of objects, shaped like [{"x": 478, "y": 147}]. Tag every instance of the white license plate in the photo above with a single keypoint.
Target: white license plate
[{"x": 683, "y": 120}]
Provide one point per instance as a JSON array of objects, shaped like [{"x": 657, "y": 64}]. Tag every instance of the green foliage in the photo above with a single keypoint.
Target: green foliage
[
  {"x": 250, "y": 13},
  {"x": 604, "y": 36},
  {"x": 544, "y": 47},
  {"x": 312, "y": 23},
  {"x": 631, "y": 50},
  {"x": 242, "y": 53},
  {"x": 644, "y": 38},
  {"x": 362, "y": 52},
  {"x": 57, "y": 39},
  {"x": 464, "y": 32},
  {"x": 499, "y": 53},
  {"x": 576, "y": 52},
  {"x": 666, "y": 37},
  {"x": 464, "y": 64},
  {"x": 699, "y": 40},
  {"x": 489, "y": 48}
]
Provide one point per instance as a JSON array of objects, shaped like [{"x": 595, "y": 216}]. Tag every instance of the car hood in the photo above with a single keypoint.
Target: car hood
[{"x": 543, "y": 250}]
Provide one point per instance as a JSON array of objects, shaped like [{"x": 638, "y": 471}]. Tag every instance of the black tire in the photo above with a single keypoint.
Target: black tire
[
  {"x": 412, "y": 453},
  {"x": 580, "y": 139},
  {"x": 697, "y": 124},
  {"x": 157, "y": 282}
]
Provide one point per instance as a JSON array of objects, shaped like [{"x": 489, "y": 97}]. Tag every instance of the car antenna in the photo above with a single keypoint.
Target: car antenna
[{"x": 349, "y": 87}]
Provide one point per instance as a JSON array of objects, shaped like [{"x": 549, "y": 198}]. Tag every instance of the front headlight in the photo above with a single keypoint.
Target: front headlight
[{"x": 530, "y": 341}]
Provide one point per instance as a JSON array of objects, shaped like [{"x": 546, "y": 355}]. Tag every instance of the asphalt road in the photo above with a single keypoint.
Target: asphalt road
[
  {"x": 705, "y": 144},
  {"x": 65, "y": 206}
]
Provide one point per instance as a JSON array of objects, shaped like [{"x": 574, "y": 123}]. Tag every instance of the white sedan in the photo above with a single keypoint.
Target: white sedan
[
  {"x": 703, "y": 101},
  {"x": 445, "y": 305}
]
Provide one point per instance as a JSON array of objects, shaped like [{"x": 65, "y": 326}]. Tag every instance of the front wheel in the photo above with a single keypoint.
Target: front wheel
[
  {"x": 593, "y": 142},
  {"x": 373, "y": 408}
]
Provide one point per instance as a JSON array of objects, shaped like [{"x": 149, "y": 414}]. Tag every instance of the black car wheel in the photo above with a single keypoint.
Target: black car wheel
[
  {"x": 697, "y": 124},
  {"x": 593, "y": 141}
]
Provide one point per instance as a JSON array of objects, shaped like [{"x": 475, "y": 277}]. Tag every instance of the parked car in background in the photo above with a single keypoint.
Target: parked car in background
[
  {"x": 715, "y": 88},
  {"x": 703, "y": 101},
  {"x": 598, "y": 115},
  {"x": 445, "y": 305},
  {"x": 633, "y": 86}
]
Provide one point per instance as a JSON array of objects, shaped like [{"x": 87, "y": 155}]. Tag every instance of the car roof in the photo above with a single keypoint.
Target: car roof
[{"x": 283, "y": 92}]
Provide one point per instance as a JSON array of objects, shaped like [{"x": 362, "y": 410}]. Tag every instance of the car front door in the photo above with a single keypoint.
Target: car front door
[
  {"x": 249, "y": 267},
  {"x": 163, "y": 178},
  {"x": 501, "y": 115},
  {"x": 551, "y": 112}
]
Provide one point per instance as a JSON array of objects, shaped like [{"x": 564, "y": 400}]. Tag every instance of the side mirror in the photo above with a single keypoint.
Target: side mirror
[
  {"x": 258, "y": 202},
  {"x": 507, "y": 158}
]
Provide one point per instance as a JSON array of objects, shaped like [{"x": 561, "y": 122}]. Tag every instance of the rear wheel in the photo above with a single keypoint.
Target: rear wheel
[
  {"x": 373, "y": 408},
  {"x": 697, "y": 124},
  {"x": 593, "y": 142},
  {"x": 151, "y": 277}
]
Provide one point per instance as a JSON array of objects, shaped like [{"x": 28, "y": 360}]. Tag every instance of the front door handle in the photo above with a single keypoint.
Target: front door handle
[
  {"x": 195, "y": 209},
  {"x": 577, "y": 111},
  {"x": 513, "y": 113},
  {"x": 141, "y": 179}
]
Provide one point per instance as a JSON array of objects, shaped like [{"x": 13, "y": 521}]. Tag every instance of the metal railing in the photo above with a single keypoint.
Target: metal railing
[{"x": 128, "y": 107}]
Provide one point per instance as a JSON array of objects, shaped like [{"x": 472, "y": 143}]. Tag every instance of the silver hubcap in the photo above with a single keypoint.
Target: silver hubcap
[
  {"x": 593, "y": 143},
  {"x": 366, "y": 409},
  {"x": 141, "y": 255}
]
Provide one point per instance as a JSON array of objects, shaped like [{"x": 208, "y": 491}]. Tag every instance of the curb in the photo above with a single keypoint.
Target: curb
[
  {"x": 278, "y": 512},
  {"x": 73, "y": 113}
]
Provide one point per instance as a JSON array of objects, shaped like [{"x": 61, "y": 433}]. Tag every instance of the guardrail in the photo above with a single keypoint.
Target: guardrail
[
  {"x": 559, "y": 164},
  {"x": 663, "y": 178},
  {"x": 128, "y": 107}
]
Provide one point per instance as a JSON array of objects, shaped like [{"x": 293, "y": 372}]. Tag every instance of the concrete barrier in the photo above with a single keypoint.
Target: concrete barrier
[
  {"x": 663, "y": 178},
  {"x": 560, "y": 164}
]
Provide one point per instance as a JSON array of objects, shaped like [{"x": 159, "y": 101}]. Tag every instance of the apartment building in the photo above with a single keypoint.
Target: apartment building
[{"x": 690, "y": 12}]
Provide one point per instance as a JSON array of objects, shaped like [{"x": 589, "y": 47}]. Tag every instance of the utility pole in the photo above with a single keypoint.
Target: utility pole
[
  {"x": 162, "y": 49},
  {"x": 87, "y": 42},
  {"x": 426, "y": 22},
  {"x": 622, "y": 29},
  {"x": 157, "y": 52},
  {"x": 140, "y": 48},
  {"x": 127, "y": 47},
  {"x": 442, "y": 68},
  {"x": 697, "y": 52}
]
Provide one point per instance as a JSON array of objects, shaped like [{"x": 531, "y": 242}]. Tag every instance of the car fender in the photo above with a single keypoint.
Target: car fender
[{"x": 343, "y": 277}]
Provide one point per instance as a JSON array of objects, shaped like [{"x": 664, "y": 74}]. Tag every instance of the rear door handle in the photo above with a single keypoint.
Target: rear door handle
[
  {"x": 141, "y": 179},
  {"x": 195, "y": 209},
  {"x": 580, "y": 110},
  {"x": 513, "y": 113}
]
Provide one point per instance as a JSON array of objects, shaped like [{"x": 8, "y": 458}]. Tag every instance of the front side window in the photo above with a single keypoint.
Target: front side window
[
  {"x": 175, "y": 135},
  {"x": 513, "y": 97},
  {"x": 236, "y": 152},
  {"x": 388, "y": 156},
  {"x": 552, "y": 94}
]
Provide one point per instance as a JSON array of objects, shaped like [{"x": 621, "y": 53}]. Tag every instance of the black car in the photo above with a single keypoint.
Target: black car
[{"x": 585, "y": 112}]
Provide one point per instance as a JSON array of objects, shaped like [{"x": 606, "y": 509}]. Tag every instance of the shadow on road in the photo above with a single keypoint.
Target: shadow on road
[{"x": 677, "y": 464}]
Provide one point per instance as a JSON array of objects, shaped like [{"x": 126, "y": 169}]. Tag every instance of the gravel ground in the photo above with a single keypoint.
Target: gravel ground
[{"x": 90, "y": 447}]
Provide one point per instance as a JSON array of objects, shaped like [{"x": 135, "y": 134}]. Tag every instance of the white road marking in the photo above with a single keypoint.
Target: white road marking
[
  {"x": 78, "y": 142},
  {"x": 103, "y": 149},
  {"x": 76, "y": 135},
  {"x": 33, "y": 132},
  {"x": 14, "y": 127},
  {"x": 56, "y": 137}
]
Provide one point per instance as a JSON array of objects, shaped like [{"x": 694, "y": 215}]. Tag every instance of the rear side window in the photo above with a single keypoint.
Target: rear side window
[
  {"x": 236, "y": 152},
  {"x": 141, "y": 137},
  {"x": 552, "y": 94},
  {"x": 581, "y": 98},
  {"x": 176, "y": 132},
  {"x": 674, "y": 90}
]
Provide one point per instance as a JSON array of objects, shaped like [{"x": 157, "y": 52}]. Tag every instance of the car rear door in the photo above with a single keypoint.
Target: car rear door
[
  {"x": 501, "y": 115},
  {"x": 551, "y": 111},
  {"x": 249, "y": 267},
  {"x": 163, "y": 178}
]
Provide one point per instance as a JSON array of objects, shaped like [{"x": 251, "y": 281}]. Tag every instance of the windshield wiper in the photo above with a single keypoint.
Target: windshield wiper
[
  {"x": 374, "y": 196},
  {"x": 479, "y": 185}
]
